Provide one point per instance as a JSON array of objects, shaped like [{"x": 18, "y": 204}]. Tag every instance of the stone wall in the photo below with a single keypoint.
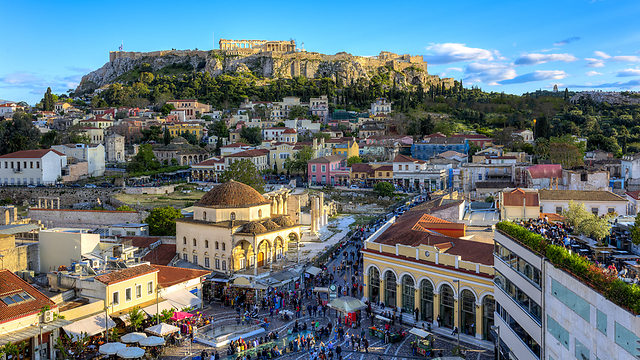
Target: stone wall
[
  {"x": 156, "y": 190},
  {"x": 84, "y": 218},
  {"x": 21, "y": 257},
  {"x": 68, "y": 196}
]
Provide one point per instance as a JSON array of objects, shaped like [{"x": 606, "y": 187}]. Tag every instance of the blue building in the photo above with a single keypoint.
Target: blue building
[{"x": 434, "y": 146}]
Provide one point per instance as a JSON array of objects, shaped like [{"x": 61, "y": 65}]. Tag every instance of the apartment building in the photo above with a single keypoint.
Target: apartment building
[
  {"x": 32, "y": 167},
  {"x": 93, "y": 154}
]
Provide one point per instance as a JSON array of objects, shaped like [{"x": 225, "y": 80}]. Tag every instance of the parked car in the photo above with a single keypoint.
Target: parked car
[
  {"x": 353, "y": 187},
  {"x": 75, "y": 185},
  {"x": 91, "y": 186},
  {"x": 41, "y": 185},
  {"x": 106, "y": 185},
  {"x": 31, "y": 185}
]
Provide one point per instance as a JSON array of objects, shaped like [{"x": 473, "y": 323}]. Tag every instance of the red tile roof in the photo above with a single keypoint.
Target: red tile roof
[
  {"x": 126, "y": 274},
  {"x": 234, "y": 145},
  {"x": 545, "y": 171},
  {"x": 211, "y": 162},
  {"x": 404, "y": 158},
  {"x": 30, "y": 154},
  {"x": 11, "y": 284},
  {"x": 518, "y": 197},
  {"x": 250, "y": 153},
  {"x": 162, "y": 255},
  {"x": 139, "y": 241},
  {"x": 168, "y": 275},
  {"x": 634, "y": 194},
  {"x": 403, "y": 232}
]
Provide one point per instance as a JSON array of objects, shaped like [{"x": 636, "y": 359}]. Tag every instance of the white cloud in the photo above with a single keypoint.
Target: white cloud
[
  {"x": 537, "y": 75},
  {"x": 592, "y": 73},
  {"x": 601, "y": 54},
  {"x": 567, "y": 41},
  {"x": 454, "y": 52},
  {"x": 619, "y": 58},
  {"x": 628, "y": 72},
  {"x": 535, "y": 59},
  {"x": 594, "y": 62},
  {"x": 490, "y": 73}
]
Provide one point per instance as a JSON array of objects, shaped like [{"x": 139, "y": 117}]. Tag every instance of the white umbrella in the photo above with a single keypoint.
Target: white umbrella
[
  {"x": 151, "y": 341},
  {"x": 131, "y": 353},
  {"x": 347, "y": 304},
  {"x": 162, "y": 329},
  {"x": 133, "y": 337},
  {"x": 111, "y": 348}
]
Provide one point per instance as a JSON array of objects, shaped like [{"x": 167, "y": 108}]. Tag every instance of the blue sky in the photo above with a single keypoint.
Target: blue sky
[{"x": 510, "y": 46}]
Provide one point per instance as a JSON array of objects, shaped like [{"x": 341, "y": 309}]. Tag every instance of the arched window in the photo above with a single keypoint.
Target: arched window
[
  {"x": 206, "y": 244},
  {"x": 232, "y": 216},
  {"x": 467, "y": 312},
  {"x": 184, "y": 240},
  {"x": 224, "y": 247},
  {"x": 260, "y": 213},
  {"x": 374, "y": 284},
  {"x": 204, "y": 215},
  {"x": 427, "y": 301},
  {"x": 217, "y": 245},
  {"x": 224, "y": 264},
  {"x": 408, "y": 294},
  {"x": 194, "y": 242},
  {"x": 390, "y": 293},
  {"x": 446, "y": 306}
]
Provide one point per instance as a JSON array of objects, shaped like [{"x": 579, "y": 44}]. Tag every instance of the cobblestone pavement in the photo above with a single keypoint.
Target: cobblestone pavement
[{"x": 398, "y": 351}]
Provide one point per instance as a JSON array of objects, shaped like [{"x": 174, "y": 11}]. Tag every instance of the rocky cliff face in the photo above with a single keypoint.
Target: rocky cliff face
[{"x": 342, "y": 66}]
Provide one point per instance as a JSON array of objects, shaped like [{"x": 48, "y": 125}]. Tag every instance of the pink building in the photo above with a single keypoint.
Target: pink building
[{"x": 330, "y": 169}]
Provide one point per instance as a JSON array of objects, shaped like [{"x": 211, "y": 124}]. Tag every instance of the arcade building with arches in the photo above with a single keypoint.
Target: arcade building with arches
[
  {"x": 408, "y": 266},
  {"x": 236, "y": 229}
]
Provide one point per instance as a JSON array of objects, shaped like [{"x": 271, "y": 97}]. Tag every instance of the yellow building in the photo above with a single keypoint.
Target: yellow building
[
  {"x": 347, "y": 149},
  {"x": 95, "y": 135},
  {"x": 234, "y": 228},
  {"x": 410, "y": 267},
  {"x": 127, "y": 288},
  {"x": 178, "y": 129},
  {"x": 279, "y": 153}
]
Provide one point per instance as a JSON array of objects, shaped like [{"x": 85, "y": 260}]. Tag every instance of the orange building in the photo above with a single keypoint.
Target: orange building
[{"x": 444, "y": 227}]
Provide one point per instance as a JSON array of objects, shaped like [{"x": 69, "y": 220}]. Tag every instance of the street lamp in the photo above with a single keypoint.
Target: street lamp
[
  {"x": 106, "y": 321},
  {"x": 497, "y": 330},
  {"x": 40, "y": 345}
]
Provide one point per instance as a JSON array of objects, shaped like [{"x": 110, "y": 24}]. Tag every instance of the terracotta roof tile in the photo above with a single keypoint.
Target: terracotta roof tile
[
  {"x": 11, "y": 284},
  {"x": 404, "y": 158},
  {"x": 126, "y": 274},
  {"x": 162, "y": 255},
  {"x": 139, "y": 241},
  {"x": 30, "y": 154},
  {"x": 518, "y": 197},
  {"x": 579, "y": 195},
  {"x": 545, "y": 171},
  {"x": 168, "y": 275}
]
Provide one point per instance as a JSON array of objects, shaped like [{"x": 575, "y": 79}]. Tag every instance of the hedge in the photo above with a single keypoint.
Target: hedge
[{"x": 617, "y": 291}]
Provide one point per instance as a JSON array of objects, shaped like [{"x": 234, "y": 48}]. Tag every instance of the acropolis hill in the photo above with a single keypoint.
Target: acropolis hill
[{"x": 270, "y": 59}]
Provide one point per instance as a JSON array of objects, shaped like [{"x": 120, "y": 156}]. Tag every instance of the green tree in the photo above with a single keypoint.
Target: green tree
[
  {"x": 190, "y": 137},
  {"x": 354, "y": 160},
  {"x": 162, "y": 221},
  {"x": 48, "y": 104},
  {"x": 121, "y": 114},
  {"x": 166, "y": 109},
  {"x": 49, "y": 139},
  {"x": 124, "y": 208},
  {"x": 244, "y": 171},
  {"x": 219, "y": 129},
  {"x": 18, "y": 134},
  {"x": 383, "y": 189},
  {"x": 153, "y": 133},
  {"x": 165, "y": 315},
  {"x": 635, "y": 231},
  {"x": 280, "y": 124},
  {"x": 136, "y": 317},
  {"x": 167, "y": 136},
  {"x": 426, "y": 126},
  {"x": 297, "y": 111},
  {"x": 253, "y": 135},
  {"x": 144, "y": 160}
]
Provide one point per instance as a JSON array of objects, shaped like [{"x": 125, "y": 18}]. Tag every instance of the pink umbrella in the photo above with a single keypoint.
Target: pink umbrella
[{"x": 179, "y": 315}]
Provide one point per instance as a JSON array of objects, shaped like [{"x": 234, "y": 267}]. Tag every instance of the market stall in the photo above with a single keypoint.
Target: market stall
[
  {"x": 348, "y": 306},
  {"x": 379, "y": 331},
  {"x": 424, "y": 341}
]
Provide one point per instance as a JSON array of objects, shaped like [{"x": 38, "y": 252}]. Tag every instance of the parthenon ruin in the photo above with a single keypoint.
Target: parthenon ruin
[{"x": 258, "y": 45}]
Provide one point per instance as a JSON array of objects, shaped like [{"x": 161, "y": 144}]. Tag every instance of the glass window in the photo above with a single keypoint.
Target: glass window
[
  {"x": 582, "y": 352},
  {"x": 601, "y": 322},
  {"x": 573, "y": 301},
  {"x": 138, "y": 291},
  {"x": 519, "y": 296},
  {"x": 626, "y": 339},
  {"x": 206, "y": 262},
  {"x": 518, "y": 330},
  {"x": 127, "y": 294},
  {"x": 195, "y": 259},
  {"x": 116, "y": 298},
  {"x": 149, "y": 287},
  {"x": 558, "y": 331}
]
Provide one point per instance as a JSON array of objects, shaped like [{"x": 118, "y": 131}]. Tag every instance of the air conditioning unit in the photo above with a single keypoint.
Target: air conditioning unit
[{"x": 48, "y": 316}]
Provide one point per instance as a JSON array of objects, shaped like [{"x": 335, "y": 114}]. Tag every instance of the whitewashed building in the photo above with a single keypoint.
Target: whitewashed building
[
  {"x": 93, "y": 154},
  {"x": 32, "y": 167}
]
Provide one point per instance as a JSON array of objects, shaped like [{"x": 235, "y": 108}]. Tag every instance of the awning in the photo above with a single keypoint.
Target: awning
[
  {"x": 380, "y": 317},
  {"x": 313, "y": 270},
  {"x": 31, "y": 331},
  {"x": 419, "y": 332},
  {"x": 164, "y": 305},
  {"x": 17, "y": 229},
  {"x": 241, "y": 281},
  {"x": 321, "y": 289},
  {"x": 183, "y": 298},
  {"x": 91, "y": 325}
]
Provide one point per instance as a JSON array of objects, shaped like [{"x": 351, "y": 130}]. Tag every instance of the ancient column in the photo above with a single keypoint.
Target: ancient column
[
  {"x": 312, "y": 214},
  {"x": 285, "y": 197},
  {"x": 255, "y": 264},
  {"x": 58, "y": 203},
  {"x": 39, "y": 203}
]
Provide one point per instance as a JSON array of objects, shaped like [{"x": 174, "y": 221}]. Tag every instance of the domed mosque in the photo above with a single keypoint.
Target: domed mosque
[{"x": 235, "y": 228}]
